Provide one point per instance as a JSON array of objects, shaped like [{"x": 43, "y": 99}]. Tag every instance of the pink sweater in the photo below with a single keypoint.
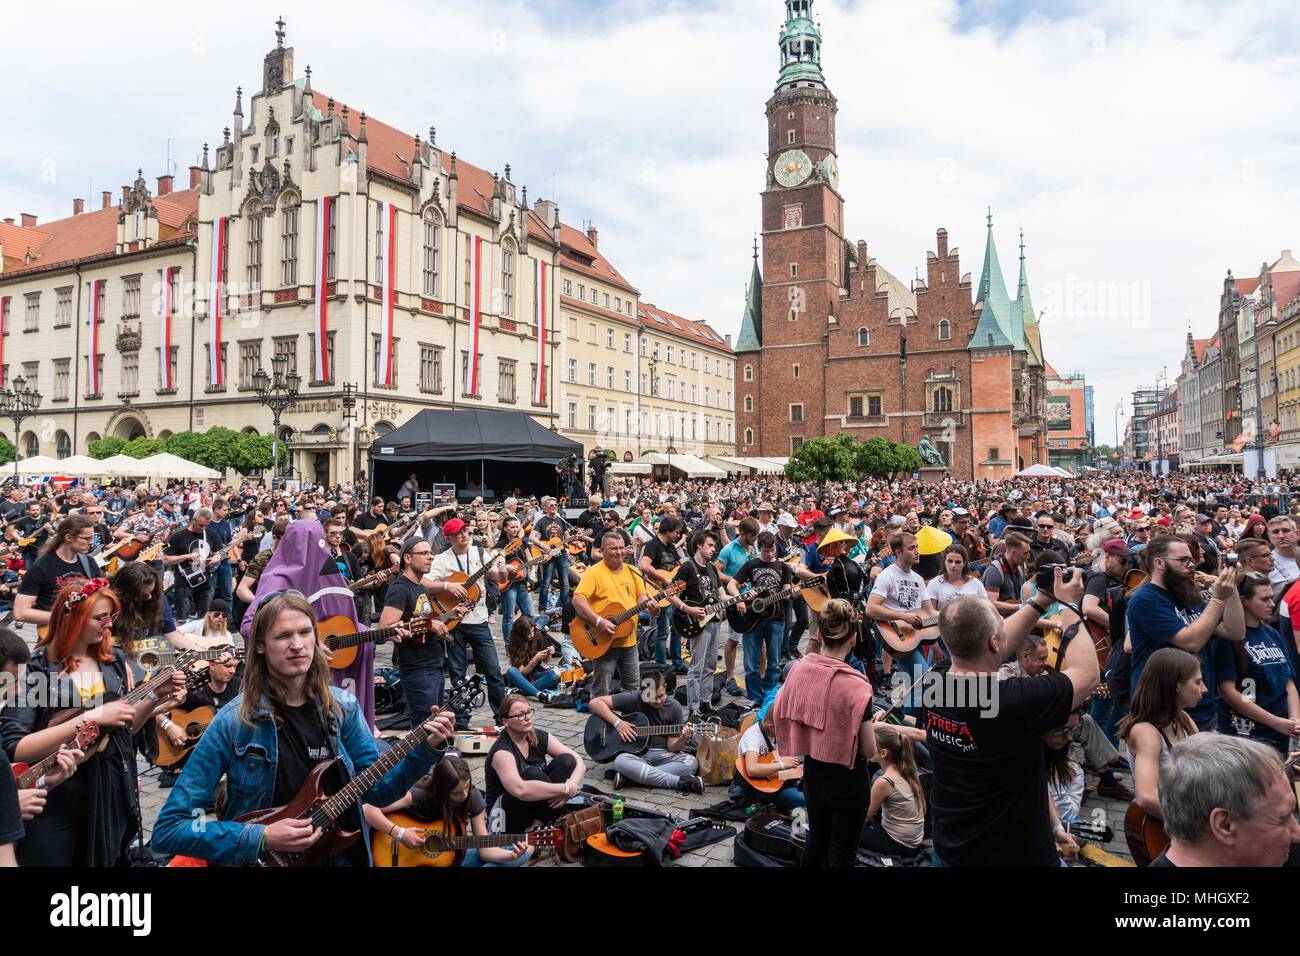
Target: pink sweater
[{"x": 820, "y": 709}]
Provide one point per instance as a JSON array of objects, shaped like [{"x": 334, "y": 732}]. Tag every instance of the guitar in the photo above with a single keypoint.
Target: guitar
[
  {"x": 148, "y": 688},
  {"x": 768, "y": 784},
  {"x": 151, "y": 659},
  {"x": 236, "y": 546},
  {"x": 1145, "y": 835},
  {"x": 901, "y": 638},
  {"x": 311, "y": 802},
  {"x": 445, "y": 843},
  {"x": 773, "y": 835},
  {"x": 343, "y": 643},
  {"x": 815, "y": 593},
  {"x": 194, "y": 722},
  {"x": 690, "y": 627},
  {"x": 518, "y": 570},
  {"x": 130, "y": 548},
  {"x": 30, "y": 540},
  {"x": 378, "y": 579},
  {"x": 151, "y": 553},
  {"x": 445, "y": 602},
  {"x": 592, "y": 643},
  {"x": 763, "y": 608},
  {"x": 603, "y": 744},
  {"x": 27, "y": 776}
]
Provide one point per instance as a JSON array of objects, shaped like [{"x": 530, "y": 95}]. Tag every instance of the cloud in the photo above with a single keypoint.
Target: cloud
[{"x": 1145, "y": 148}]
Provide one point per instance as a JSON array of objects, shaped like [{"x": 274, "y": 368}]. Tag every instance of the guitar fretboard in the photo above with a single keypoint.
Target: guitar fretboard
[{"x": 490, "y": 840}]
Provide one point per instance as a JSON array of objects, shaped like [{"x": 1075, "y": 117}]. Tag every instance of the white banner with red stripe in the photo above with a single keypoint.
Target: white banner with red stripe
[
  {"x": 475, "y": 309},
  {"x": 217, "y": 300},
  {"x": 540, "y": 314},
  {"x": 92, "y": 316},
  {"x": 324, "y": 217},
  {"x": 166, "y": 307},
  {"x": 388, "y": 280}
]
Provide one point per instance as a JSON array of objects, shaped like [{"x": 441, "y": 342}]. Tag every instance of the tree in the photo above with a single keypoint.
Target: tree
[
  {"x": 143, "y": 447},
  {"x": 253, "y": 453},
  {"x": 107, "y": 447},
  {"x": 906, "y": 458},
  {"x": 220, "y": 448},
  {"x": 7, "y": 450},
  {"x": 822, "y": 459},
  {"x": 187, "y": 445},
  {"x": 874, "y": 458}
]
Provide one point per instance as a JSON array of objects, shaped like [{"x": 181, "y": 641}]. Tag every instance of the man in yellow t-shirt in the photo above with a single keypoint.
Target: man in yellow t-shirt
[{"x": 608, "y": 582}]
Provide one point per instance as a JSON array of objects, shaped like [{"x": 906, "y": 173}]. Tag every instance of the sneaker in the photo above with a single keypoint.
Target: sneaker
[
  {"x": 620, "y": 782},
  {"x": 734, "y": 689},
  {"x": 543, "y": 697},
  {"x": 690, "y": 783},
  {"x": 680, "y": 668},
  {"x": 705, "y": 709},
  {"x": 1115, "y": 791}
]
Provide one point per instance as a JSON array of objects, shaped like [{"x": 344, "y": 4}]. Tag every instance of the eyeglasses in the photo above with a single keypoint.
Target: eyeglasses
[
  {"x": 521, "y": 715},
  {"x": 1186, "y": 560},
  {"x": 1062, "y": 732},
  {"x": 1047, "y": 527}
]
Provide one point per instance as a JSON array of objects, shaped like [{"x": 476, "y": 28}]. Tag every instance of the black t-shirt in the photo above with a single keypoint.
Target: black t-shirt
[
  {"x": 11, "y": 510},
  {"x": 301, "y": 743},
  {"x": 368, "y": 521},
  {"x": 185, "y": 541},
  {"x": 205, "y": 696},
  {"x": 412, "y": 600},
  {"x": 590, "y": 520},
  {"x": 424, "y": 809},
  {"x": 1098, "y": 584},
  {"x": 536, "y": 758},
  {"x": 44, "y": 578},
  {"x": 11, "y": 818},
  {"x": 548, "y": 527},
  {"x": 701, "y": 583},
  {"x": 26, "y": 529},
  {"x": 772, "y": 575},
  {"x": 663, "y": 557},
  {"x": 989, "y": 797}
]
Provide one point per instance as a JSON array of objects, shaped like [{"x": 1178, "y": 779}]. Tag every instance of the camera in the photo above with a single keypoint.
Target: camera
[
  {"x": 1231, "y": 560},
  {"x": 1046, "y": 579}
]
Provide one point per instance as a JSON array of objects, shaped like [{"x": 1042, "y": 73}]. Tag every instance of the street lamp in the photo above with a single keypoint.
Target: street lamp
[
  {"x": 350, "y": 415},
  {"x": 278, "y": 392},
  {"x": 16, "y": 404}
]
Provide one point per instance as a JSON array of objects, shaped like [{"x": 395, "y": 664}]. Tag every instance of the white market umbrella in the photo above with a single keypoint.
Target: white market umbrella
[
  {"x": 123, "y": 466},
  {"x": 80, "y": 466},
  {"x": 1039, "y": 471},
  {"x": 165, "y": 465},
  {"x": 40, "y": 465}
]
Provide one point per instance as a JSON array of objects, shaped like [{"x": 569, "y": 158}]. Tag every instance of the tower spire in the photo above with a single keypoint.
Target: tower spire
[{"x": 801, "y": 47}]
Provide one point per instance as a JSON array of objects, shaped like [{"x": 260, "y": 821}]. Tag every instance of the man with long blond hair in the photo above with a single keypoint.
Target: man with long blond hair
[{"x": 266, "y": 742}]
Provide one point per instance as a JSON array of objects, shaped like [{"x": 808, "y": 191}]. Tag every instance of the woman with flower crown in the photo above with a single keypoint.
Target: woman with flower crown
[{"x": 90, "y": 819}]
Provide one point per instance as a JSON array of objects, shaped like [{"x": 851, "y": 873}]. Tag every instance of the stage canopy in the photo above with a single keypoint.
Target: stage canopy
[{"x": 485, "y": 453}]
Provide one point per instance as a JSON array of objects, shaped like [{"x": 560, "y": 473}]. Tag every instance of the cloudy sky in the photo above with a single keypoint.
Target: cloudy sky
[{"x": 1146, "y": 148}]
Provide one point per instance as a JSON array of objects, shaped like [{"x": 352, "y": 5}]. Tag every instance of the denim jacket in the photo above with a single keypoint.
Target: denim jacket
[{"x": 246, "y": 756}]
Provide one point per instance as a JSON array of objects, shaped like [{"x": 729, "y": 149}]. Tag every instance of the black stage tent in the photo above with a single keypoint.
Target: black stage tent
[{"x": 480, "y": 452}]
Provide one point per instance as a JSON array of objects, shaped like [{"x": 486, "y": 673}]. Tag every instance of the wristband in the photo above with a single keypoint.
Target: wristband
[
  {"x": 261, "y": 847},
  {"x": 1215, "y": 599}
]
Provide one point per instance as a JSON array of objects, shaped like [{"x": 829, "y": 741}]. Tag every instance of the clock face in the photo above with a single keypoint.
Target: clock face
[
  {"x": 793, "y": 167},
  {"x": 831, "y": 170}
]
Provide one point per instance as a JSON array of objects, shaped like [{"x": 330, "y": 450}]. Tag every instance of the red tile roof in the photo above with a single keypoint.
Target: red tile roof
[
  {"x": 94, "y": 233},
  {"x": 667, "y": 323},
  {"x": 1286, "y": 287},
  {"x": 1200, "y": 345},
  {"x": 387, "y": 147},
  {"x": 1247, "y": 286}
]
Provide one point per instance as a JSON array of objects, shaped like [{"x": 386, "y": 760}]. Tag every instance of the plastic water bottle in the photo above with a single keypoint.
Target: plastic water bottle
[{"x": 618, "y": 807}]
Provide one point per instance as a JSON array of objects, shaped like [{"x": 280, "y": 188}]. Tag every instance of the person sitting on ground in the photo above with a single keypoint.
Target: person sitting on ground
[
  {"x": 529, "y": 775},
  {"x": 530, "y": 652},
  {"x": 758, "y": 741},
  {"x": 665, "y": 764},
  {"x": 896, "y": 815}
]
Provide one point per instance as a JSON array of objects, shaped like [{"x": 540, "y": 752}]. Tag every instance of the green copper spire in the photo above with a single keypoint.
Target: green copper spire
[
  {"x": 995, "y": 325},
  {"x": 751, "y": 326},
  {"x": 801, "y": 47},
  {"x": 1028, "y": 318}
]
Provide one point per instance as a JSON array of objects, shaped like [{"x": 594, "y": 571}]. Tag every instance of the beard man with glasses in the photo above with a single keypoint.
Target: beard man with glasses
[{"x": 1171, "y": 611}]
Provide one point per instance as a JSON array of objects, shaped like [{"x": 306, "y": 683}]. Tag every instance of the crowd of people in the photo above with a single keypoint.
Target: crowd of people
[{"x": 944, "y": 662}]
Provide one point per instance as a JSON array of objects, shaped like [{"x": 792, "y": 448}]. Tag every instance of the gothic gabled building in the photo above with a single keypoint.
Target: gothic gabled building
[{"x": 832, "y": 342}]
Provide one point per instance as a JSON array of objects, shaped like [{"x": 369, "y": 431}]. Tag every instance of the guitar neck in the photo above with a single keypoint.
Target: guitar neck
[
  {"x": 27, "y": 779},
  {"x": 490, "y": 840},
  {"x": 340, "y": 641},
  {"x": 660, "y": 730},
  {"x": 337, "y": 805}
]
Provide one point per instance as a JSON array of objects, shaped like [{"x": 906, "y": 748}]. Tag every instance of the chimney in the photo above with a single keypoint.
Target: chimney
[
  {"x": 942, "y": 242},
  {"x": 126, "y": 194},
  {"x": 78, "y": 206},
  {"x": 594, "y": 236},
  {"x": 9, "y": 220},
  {"x": 29, "y": 221},
  {"x": 196, "y": 176},
  {"x": 108, "y": 198},
  {"x": 165, "y": 184}
]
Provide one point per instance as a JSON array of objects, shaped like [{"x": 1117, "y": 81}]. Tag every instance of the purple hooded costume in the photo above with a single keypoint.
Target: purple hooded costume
[{"x": 303, "y": 562}]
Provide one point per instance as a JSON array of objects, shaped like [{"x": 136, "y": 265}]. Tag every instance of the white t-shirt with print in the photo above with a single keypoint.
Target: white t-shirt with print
[{"x": 901, "y": 590}]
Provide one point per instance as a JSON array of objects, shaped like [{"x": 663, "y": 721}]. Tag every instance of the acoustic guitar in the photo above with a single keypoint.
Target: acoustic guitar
[
  {"x": 815, "y": 593},
  {"x": 324, "y": 810},
  {"x": 518, "y": 568},
  {"x": 445, "y": 843},
  {"x": 1145, "y": 835},
  {"x": 343, "y": 642},
  {"x": 28, "y": 776},
  {"x": 592, "y": 643},
  {"x": 445, "y": 602},
  {"x": 130, "y": 549},
  {"x": 378, "y": 579},
  {"x": 603, "y": 744},
  {"x": 901, "y": 638},
  {"x": 194, "y": 723},
  {"x": 768, "y": 784}
]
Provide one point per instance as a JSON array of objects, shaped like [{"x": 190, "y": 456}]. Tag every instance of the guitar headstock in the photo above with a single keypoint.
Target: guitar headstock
[
  {"x": 151, "y": 553},
  {"x": 465, "y": 694},
  {"x": 512, "y": 547},
  {"x": 674, "y": 589},
  {"x": 545, "y": 836},
  {"x": 87, "y": 734}
]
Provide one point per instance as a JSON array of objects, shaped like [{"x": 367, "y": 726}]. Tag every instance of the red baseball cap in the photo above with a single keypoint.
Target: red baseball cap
[{"x": 454, "y": 526}]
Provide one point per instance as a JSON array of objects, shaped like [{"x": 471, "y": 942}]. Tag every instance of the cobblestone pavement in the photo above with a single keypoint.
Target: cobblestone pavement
[{"x": 567, "y": 725}]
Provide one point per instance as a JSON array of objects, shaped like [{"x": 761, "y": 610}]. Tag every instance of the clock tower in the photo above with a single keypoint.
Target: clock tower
[{"x": 803, "y": 246}]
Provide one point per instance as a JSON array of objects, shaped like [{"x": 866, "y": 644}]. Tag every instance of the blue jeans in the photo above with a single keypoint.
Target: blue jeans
[
  {"x": 556, "y": 566},
  {"x": 771, "y": 634},
  {"x": 910, "y": 668},
  {"x": 477, "y": 639},
  {"x": 664, "y": 628},
  {"x": 796, "y": 624},
  {"x": 786, "y": 800},
  {"x": 220, "y": 584},
  {"x": 545, "y": 681},
  {"x": 472, "y": 858},
  {"x": 515, "y": 596},
  {"x": 1107, "y": 714},
  {"x": 422, "y": 690}
]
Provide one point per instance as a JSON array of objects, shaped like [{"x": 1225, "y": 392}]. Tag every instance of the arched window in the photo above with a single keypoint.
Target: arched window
[
  {"x": 864, "y": 338},
  {"x": 749, "y": 436},
  {"x": 507, "y": 279},
  {"x": 749, "y": 373},
  {"x": 254, "y": 220},
  {"x": 31, "y": 446},
  {"x": 289, "y": 244},
  {"x": 749, "y": 403},
  {"x": 62, "y": 445},
  {"x": 431, "y": 229},
  {"x": 945, "y": 330},
  {"x": 942, "y": 400}
]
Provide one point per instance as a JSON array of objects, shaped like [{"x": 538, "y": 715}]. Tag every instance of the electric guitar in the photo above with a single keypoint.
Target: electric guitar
[
  {"x": 603, "y": 744},
  {"x": 763, "y": 608},
  {"x": 142, "y": 691},
  {"x": 28, "y": 776},
  {"x": 343, "y": 643},
  {"x": 151, "y": 553},
  {"x": 378, "y": 579},
  {"x": 689, "y": 626},
  {"x": 445, "y": 843},
  {"x": 324, "y": 810},
  {"x": 592, "y": 643}
]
